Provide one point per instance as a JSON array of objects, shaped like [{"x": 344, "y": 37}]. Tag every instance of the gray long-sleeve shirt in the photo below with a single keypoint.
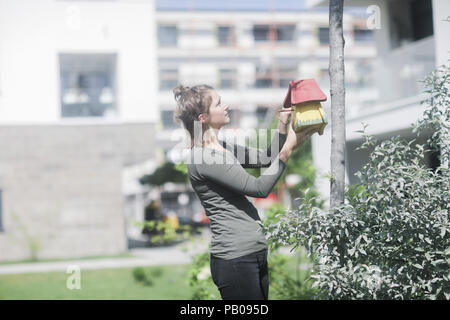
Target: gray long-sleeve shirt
[{"x": 222, "y": 184}]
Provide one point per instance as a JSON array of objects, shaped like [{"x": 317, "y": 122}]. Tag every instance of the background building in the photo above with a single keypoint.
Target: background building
[
  {"x": 86, "y": 103},
  {"x": 411, "y": 40},
  {"x": 78, "y": 109},
  {"x": 249, "y": 53}
]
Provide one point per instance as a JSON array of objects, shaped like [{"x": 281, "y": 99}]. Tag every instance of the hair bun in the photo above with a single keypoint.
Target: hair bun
[{"x": 179, "y": 90}]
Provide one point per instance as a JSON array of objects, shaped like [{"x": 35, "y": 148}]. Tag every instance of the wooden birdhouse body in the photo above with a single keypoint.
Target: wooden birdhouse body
[
  {"x": 305, "y": 96},
  {"x": 308, "y": 114}
]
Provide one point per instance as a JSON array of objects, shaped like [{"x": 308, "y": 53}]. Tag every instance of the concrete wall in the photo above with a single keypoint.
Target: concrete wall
[{"x": 62, "y": 187}]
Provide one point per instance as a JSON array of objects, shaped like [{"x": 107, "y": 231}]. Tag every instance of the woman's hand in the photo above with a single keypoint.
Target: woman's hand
[
  {"x": 284, "y": 114},
  {"x": 283, "y": 119},
  {"x": 294, "y": 140}
]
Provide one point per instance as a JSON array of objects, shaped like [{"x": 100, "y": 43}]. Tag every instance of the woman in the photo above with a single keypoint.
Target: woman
[{"x": 238, "y": 245}]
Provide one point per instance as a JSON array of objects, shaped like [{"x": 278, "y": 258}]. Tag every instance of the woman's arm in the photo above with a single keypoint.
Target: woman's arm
[
  {"x": 257, "y": 158},
  {"x": 234, "y": 177}
]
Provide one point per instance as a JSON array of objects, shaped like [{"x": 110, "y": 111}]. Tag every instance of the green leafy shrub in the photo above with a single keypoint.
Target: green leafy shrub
[
  {"x": 140, "y": 276},
  {"x": 391, "y": 238},
  {"x": 271, "y": 216},
  {"x": 283, "y": 285},
  {"x": 286, "y": 285},
  {"x": 437, "y": 113},
  {"x": 166, "y": 172},
  {"x": 163, "y": 232},
  {"x": 199, "y": 277}
]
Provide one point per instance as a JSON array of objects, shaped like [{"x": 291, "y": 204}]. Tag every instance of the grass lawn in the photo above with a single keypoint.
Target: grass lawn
[
  {"x": 171, "y": 284},
  {"x": 98, "y": 285}
]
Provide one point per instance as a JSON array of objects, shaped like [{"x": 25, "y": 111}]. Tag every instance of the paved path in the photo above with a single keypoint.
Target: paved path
[{"x": 178, "y": 254}]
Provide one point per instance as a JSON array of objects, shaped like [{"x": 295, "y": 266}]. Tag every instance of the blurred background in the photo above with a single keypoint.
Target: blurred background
[{"x": 88, "y": 145}]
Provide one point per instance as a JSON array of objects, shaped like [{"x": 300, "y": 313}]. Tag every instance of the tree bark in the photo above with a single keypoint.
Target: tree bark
[
  {"x": 280, "y": 193},
  {"x": 337, "y": 91}
]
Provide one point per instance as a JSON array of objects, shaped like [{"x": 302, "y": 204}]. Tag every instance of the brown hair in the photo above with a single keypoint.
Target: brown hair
[{"x": 192, "y": 101}]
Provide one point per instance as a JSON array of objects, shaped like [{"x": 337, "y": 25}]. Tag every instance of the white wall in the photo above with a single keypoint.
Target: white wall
[
  {"x": 441, "y": 11},
  {"x": 33, "y": 33}
]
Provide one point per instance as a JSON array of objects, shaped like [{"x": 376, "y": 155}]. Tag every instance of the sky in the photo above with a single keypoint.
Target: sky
[
  {"x": 240, "y": 5},
  {"x": 245, "y": 5}
]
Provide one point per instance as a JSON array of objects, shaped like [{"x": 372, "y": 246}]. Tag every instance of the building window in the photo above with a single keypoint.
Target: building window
[
  {"x": 362, "y": 35},
  {"x": 167, "y": 35},
  {"x": 286, "y": 74},
  {"x": 422, "y": 18},
  {"x": 167, "y": 119},
  {"x": 278, "y": 33},
  {"x": 168, "y": 78},
  {"x": 88, "y": 85},
  {"x": 261, "y": 32},
  {"x": 225, "y": 35},
  {"x": 226, "y": 79},
  {"x": 1, "y": 212},
  {"x": 324, "y": 35},
  {"x": 263, "y": 77},
  {"x": 285, "y": 32},
  {"x": 409, "y": 21},
  {"x": 261, "y": 113}
]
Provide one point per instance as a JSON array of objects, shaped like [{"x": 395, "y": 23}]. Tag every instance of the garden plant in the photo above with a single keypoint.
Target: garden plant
[{"x": 391, "y": 237}]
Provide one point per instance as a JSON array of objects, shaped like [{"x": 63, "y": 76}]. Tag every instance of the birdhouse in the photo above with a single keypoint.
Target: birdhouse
[{"x": 305, "y": 97}]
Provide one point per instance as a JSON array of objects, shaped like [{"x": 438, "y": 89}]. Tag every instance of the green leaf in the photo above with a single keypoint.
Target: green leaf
[
  {"x": 436, "y": 262},
  {"x": 351, "y": 251},
  {"x": 447, "y": 251}
]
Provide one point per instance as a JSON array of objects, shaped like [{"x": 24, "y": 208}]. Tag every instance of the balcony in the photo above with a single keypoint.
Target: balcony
[
  {"x": 394, "y": 80},
  {"x": 397, "y": 74}
]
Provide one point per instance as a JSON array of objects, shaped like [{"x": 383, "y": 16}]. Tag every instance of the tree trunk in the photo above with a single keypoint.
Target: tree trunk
[
  {"x": 337, "y": 91},
  {"x": 280, "y": 193}
]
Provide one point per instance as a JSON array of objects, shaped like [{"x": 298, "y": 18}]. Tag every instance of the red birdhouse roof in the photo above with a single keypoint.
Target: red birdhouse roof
[{"x": 302, "y": 91}]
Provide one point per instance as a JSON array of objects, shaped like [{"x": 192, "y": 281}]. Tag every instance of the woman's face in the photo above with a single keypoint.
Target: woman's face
[{"x": 218, "y": 112}]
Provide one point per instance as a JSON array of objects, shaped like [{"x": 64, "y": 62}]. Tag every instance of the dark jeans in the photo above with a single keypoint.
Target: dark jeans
[{"x": 243, "y": 278}]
